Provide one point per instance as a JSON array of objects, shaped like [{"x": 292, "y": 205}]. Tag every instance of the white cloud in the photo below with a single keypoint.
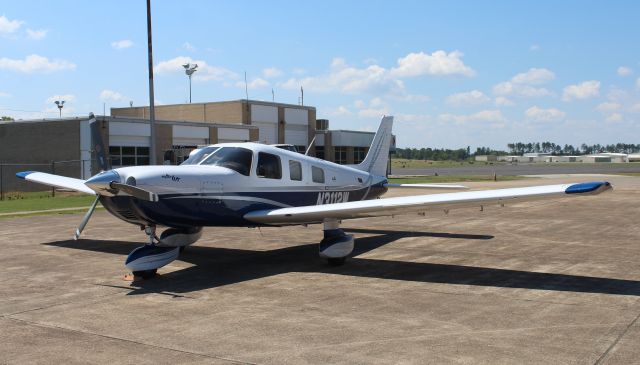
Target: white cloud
[
  {"x": 481, "y": 116},
  {"x": 350, "y": 80},
  {"x": 109, "y": 95},
  {"x": 585, "y": 90},
  {"x": 624, "y": 71},
  {"x": 125, "y": 43},
  {"x": 376, "y": 108},
  {"x": 376, "y": 79},
  {"x": 520, "y": 85},
  {"x": 608, "y": 107},
  {"x": 534, "y": 76},
  {"x": 271, "y": 72},
  {"x": 534, "y": 47},
  {"x": 9, "y": 26},
  {"x": 68, "y": 98},
  {"x": 36, "y": 35},
  {"x": 438, "y": 63},
  {"x": 205, "y": 71},
  {"x": 253, "y": 84},
  {"x": 35, "y": 63},
  {"x": 339, "y": 111},
  {"x": 524, "y": 91},
  {"x": 502, "y": 101},
  {"x": 536, "y": 113},
  {"x": 470, "y": 98},
  {"x": 638, "y": 83},
  {"x": 615, "y": 117},
  {"x": 4, "y": 95},
  {"x": 189, "y": 47}
]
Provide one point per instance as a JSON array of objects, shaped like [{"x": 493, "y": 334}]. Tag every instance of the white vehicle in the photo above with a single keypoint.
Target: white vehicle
[{"x": 251, "y": 184}]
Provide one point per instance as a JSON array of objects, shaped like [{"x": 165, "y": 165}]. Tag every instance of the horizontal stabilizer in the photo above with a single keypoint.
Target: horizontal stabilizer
[
  {"x": 426, "y": 186},
  {"x": 421, "y": 203},
  {"x": 56, "y": 181}
]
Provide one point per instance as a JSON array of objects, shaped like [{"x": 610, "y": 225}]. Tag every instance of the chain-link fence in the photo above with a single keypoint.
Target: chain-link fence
[{"x": 10, "y": 184}]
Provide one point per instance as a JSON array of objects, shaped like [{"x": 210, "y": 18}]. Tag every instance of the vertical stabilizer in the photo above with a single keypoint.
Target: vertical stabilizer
[{"x": 378, "y": 155}]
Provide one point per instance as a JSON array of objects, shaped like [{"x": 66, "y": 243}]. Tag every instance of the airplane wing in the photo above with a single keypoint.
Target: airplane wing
[
  {"x": 56, "y": 180},
  {"x": 420, "y": 203}
]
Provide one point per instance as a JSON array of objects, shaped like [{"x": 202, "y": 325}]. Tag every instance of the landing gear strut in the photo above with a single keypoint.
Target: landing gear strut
[{"x": 336, "y": 245}]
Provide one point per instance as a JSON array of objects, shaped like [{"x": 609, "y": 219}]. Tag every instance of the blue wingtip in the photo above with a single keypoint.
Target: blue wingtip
[
  {"x": 588, "y": 187},
  {"x": 24, "y": 174}
]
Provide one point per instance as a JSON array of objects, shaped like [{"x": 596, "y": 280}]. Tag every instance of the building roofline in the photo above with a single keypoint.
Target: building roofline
[{"x": 250, "y": 101}]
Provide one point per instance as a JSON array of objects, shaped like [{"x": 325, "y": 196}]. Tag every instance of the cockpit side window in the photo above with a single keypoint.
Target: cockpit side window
[
  {"x": 234, "y": 158},
  {"x": 295, "y": 170},
  {"x": 317, "y": 175},
  {"x": 269, "y": 166},
  {"x": 199, "y": 155}
]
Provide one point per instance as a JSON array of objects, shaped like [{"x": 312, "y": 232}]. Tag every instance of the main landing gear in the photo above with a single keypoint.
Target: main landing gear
[{"x": 336, "y": 245}]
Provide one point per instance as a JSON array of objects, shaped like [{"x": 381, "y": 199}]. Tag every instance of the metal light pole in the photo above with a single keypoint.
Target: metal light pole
[
  {"x": 189, "y": 69},
  {"x": 60, "y": 104},
  {"x": 152, "y": 114}
]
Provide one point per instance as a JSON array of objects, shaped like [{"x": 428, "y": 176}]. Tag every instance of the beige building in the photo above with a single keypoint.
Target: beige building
[{"x": 276, "y": 122}]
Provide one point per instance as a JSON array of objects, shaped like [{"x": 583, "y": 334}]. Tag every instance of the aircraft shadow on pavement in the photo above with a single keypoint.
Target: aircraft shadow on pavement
[{"x": 214, "y": 267}]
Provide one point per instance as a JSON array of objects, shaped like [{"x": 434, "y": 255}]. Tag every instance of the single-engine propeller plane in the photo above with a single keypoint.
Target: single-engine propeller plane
[{"x": 251, "y": 185}]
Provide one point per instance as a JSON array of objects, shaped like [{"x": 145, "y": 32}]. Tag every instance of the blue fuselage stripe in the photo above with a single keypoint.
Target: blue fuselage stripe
[{"x": 222, "y": 209}]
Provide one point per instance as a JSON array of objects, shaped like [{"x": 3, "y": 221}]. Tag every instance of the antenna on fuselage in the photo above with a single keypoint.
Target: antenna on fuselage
[{"x": 310, "y": 145}]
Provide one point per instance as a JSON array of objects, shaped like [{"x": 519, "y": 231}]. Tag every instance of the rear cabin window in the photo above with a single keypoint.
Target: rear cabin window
[
  {"x": 234, "y": 158},
  {"x": 295, "y": 170},
  {"x": 317, "y": 175},
  {"x": 269, "y": 166}
]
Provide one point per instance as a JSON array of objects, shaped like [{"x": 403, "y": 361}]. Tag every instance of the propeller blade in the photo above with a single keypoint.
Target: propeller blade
[
  {"x": 136, "y": 191},
  {"x": 85, "y": 220}
]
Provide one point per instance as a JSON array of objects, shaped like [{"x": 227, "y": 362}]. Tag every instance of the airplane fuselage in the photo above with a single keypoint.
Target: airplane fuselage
[{"x": 210, "y": 192}]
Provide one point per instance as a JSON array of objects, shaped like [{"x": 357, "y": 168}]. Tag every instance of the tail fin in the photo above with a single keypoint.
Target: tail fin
[
  {"x": 98, "y": 143},
  {"x": 378, "y": 155}
]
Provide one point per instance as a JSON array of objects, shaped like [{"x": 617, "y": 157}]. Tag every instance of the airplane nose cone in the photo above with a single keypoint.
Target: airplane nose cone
[{"x": 101, "y": 183}]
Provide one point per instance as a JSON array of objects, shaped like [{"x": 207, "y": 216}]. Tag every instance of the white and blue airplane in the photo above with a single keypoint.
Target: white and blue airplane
[{"x": 252, "y": 185}]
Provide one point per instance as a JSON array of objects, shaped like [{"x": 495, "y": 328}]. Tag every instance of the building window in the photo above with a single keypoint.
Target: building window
[
  {"x": 340, "y": 155},
  {"x": 320, "y": 152},
  {"x": 317, "y": 175},
  {"x": 128, "y": 156},
  {"x": 295, "y": 170},
  {"x": 359, "y": 153},
  {"x": 269, "y": 166}
]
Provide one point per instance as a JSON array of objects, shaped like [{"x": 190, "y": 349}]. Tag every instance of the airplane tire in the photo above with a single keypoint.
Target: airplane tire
[
  {"x": 336, "y": 261},
  {"x": 146, "y": 274}
]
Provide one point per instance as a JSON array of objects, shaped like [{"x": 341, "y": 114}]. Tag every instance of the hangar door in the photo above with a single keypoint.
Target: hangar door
[
  {"x": 190, "y": 135},
  {"x": 296, "y": 135},
  {"x": 232, "y": 135},
  {"x": 265, "y": 117},
  {"x": 296, "y": 126},
  {"x": 268, "y": 132}
]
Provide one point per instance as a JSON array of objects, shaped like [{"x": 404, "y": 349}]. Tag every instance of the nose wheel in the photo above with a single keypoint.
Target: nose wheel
[{"x": 145, "y": 261}]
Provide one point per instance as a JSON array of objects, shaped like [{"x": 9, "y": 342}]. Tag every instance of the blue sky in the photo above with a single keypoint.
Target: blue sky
[{"x": 453, "y": 73}]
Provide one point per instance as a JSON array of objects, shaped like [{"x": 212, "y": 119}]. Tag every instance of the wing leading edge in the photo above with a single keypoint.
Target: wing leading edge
[{"x": 420, "y": 203}]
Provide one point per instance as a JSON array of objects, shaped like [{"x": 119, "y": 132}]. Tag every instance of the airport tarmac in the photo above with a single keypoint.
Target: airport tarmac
[{"x": 538, "y": 282}]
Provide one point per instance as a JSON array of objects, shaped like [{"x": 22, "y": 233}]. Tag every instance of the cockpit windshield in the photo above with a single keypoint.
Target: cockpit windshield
[
  {"x": 199, "y": 155},
  {"x": 234, "y": 158}
]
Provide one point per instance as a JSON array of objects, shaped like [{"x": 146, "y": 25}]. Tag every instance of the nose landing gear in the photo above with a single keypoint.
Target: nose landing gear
[{"x": 145, "y": 261}]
